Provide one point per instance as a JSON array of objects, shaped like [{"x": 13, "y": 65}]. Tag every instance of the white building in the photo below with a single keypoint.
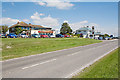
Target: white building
[{"x": 85, "y": 32}]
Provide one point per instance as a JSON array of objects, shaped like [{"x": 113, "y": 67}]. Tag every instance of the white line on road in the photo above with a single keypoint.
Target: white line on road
[
  {"x": 87, "y": 65},
  {"x": 39, "y": 63},
  {"x": 87, "y": 49}
]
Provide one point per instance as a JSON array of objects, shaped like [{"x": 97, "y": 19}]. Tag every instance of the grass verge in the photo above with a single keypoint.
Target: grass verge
[
  {"x": 13, "y": 48},
  {"x": 107, "y": 67}
]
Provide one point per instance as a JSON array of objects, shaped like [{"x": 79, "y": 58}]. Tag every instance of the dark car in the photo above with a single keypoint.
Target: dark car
[
  {"x": 36, "y": 35},
  {"x": 59, "y": 35},
  {"x": 3, "y": 35},
  {"x": 12, "y": 35}
]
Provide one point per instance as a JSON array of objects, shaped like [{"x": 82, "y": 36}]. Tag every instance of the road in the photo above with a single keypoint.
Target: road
[{"x": 57, "y": 64}]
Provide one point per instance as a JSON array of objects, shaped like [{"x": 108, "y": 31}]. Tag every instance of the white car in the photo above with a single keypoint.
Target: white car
[
  {"x": 23, "y": 36},
  {"x": 52, "y": 36}
]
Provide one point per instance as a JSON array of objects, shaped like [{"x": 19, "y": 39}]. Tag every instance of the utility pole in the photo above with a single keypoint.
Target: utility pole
[
  {"x": 93, "y": 32},
  {"x": 30, "y": 31}
]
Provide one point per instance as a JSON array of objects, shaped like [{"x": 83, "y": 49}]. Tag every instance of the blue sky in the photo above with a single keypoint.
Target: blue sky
[{"x": 102, "y": 15}]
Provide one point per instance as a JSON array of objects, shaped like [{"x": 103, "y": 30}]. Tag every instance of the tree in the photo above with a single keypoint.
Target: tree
[
  {"x": 106, "y": 35},
  {"x": 65, "y": 29},
  {"x": 4, "y": 28},
  {"x": 18, "y": 30},
  {"x": 0, "y": 29}
]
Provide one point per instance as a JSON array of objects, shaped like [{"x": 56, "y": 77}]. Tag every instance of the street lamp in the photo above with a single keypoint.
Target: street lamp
[{"x": 30, "y": 31}]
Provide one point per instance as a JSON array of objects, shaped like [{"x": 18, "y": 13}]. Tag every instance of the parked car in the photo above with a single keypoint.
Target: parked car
[
  {"x": 52, "y": 36},
  {"x": 12, "y": 35},
  {"x": 36, "y": 35},
  {"x": 100, "y": 38},
  {"x": 3, "y": 35},
  {"x": 59, "y": 35},
  {"x": 107, "y": 38},
  {"x": 23, "y": 35},
  {"x": 67, "y": 36},
  {"x": 115, "y": 37},
  {"x": 44, "y": 36}
]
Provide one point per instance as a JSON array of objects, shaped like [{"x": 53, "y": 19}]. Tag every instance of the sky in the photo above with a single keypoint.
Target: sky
[{"x": 102, "y": 15}]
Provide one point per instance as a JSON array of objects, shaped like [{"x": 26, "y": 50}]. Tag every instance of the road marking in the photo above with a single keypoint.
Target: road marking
[
  {"x": 39, "y": 63},
  {"x": 73, "y": 53},
  {"x": 87, "y": 65}
]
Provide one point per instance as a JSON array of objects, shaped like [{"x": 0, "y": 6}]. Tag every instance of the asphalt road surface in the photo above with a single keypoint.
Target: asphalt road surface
[{"x": 56, "y": 64}]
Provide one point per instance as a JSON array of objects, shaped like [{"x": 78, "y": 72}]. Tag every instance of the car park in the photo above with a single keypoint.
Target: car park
[
  {"x": 59, "y": 35},
  {"x": 36, "y": 35}
]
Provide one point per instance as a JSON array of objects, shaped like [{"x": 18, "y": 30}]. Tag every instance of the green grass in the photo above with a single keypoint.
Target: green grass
[
  {"x": 107, "y": 67},
  {"x": 12, "y": 48}
]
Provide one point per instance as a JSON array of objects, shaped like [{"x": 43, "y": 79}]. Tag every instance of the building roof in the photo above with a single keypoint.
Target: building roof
[
  {"x": 84, "y": 28},
  {"x": 26, "y": 25},
  {"x": 98, "y": 33},
  {"x": 20, "y": 24}
]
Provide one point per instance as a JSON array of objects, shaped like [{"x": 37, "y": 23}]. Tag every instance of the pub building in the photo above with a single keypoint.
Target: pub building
[{"x": 30, "y": 29}]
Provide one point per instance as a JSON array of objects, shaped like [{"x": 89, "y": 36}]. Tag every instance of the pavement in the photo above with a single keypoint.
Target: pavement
[{"x": 57, "y": 64}]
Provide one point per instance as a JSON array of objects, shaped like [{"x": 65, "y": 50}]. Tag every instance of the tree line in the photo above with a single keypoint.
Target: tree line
[{"x": 65, "y": 29}]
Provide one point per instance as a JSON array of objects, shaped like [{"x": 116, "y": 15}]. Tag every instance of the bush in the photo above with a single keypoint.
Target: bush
[{"x": 78, "y": 35}]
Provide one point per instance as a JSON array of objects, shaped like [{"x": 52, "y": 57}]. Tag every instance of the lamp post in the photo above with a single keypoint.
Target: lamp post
[
  {"x": 93, "y": 32},
  {"x": 30, "y": 31}
]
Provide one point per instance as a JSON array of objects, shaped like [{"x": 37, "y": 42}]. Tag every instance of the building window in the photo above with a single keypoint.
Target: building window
[{"x": 13, "y": 29}]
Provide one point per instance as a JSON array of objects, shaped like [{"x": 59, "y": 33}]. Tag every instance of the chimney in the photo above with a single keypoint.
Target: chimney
[{"x": 29, "y": 23}]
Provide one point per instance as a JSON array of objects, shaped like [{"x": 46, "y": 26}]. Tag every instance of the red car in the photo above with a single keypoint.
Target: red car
[
  {"x": 66, "y": 36},
  {"x": 44, "y": 36}
]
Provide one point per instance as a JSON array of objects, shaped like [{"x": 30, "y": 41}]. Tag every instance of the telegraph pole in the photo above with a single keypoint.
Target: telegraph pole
[{"x": 93, "y": 32}]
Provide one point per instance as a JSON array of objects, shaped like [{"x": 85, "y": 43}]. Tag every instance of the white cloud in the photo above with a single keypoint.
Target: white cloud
[
  {"x": 26, "y": 20},
  {"x": 41, "y": 14},
  {"x": 41, "y": 3},
  {"x": 8, "y": 21},
  {"x": 65, "y": 21},
  {"x": 56, "y": 3},
  {"x": 77, "y": 25},
  {"x": 46, "y": 21}
]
